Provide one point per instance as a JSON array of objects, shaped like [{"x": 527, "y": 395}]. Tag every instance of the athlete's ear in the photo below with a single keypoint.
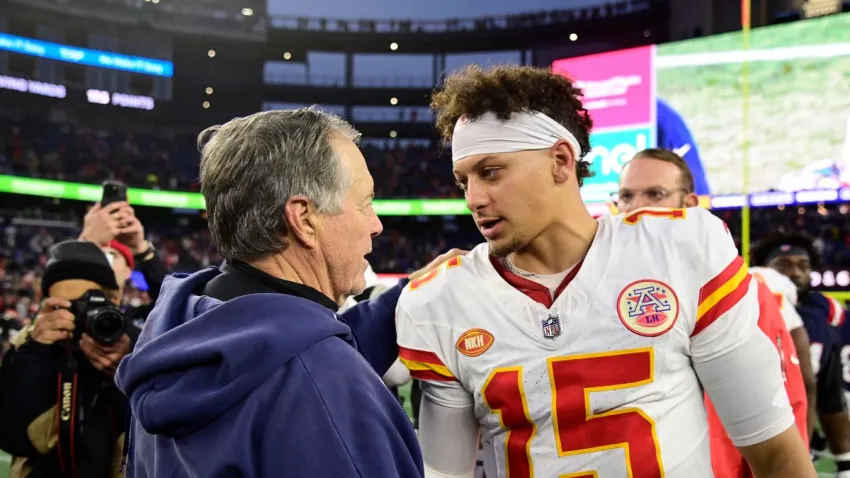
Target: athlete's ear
[
  {"x": 691, "y": 200},
  {"x": 564, "y": 165}
]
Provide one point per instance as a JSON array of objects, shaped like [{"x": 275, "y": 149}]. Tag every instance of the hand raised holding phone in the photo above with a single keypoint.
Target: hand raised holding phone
[{"x": 102, "y": 224}]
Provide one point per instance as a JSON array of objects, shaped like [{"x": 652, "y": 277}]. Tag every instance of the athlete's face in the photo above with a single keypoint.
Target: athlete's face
[
  {"x": 647, "y": 182},
  {"x": 796, "y": 267},
  {"x": 514, "y": 196}
]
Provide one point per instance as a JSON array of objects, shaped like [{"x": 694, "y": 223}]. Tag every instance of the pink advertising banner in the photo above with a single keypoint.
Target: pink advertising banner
[{"x": 619, "y": 86}]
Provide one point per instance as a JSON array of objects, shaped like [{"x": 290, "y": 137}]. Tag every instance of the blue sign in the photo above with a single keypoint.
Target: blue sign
[
  {"x": 85, "y": 56},
  {"x": 139, "y": 281},
  {"x": 610, "y": 150}
]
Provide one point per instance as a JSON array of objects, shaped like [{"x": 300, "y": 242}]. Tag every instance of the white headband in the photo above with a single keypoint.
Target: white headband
[{"x": 523, "y": 131}]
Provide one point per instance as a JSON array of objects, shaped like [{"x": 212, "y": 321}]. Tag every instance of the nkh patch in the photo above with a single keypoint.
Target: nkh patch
[
  {"x": 648, "y": 307},
  {"x": 474, "y": 342}
]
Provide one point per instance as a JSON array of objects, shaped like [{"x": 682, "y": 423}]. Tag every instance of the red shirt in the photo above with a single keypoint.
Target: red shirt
[{"x": 725, "y": 459}]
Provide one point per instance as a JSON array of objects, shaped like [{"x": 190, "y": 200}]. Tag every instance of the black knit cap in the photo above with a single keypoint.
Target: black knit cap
[{"x": 78, "y": 260}]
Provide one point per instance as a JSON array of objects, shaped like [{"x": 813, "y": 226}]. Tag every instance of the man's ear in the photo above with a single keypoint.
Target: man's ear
[
  {"x": 564, "y": 165},
  {"x": 691, "y": 200},
  {"x": 302, "y": 221}
]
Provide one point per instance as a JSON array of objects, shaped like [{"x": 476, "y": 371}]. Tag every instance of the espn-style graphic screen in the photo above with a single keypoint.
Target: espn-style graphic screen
[{"x": 688, "y": 96}]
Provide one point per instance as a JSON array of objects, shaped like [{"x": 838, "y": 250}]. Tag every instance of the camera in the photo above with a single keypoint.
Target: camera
[{"x": 95, "y": 315}]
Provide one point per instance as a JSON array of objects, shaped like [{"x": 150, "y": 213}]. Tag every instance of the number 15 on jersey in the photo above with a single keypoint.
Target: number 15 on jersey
[{"x": 577, "y": 430}]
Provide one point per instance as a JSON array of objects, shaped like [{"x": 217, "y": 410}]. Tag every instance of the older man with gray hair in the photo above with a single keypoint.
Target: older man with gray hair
[{"x": 248, "y": 369}]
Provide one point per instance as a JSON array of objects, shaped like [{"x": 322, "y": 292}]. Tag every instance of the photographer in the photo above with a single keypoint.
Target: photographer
[{"x": 61, "y": 412}]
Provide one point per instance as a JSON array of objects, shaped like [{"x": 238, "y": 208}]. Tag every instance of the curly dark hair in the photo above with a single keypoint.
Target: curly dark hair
[
  {"x": 508, "y": 89},
  {"x": 764, "y": 247}
]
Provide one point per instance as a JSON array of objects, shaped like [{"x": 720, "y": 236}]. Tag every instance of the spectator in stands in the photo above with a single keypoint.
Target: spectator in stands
[
  {"x": 117, "y": 229},
  {"x": 78, "y": 433},
  {"x": 260, "y": 375}
]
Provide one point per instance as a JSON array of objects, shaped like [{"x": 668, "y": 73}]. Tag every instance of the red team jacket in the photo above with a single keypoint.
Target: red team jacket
[{"x": 725, "y": 459}]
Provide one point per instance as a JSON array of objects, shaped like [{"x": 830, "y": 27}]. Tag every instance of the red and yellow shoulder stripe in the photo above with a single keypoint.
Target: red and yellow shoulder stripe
[
  {"x": 836, "y": 312},
  {"x": 425, "y": 365},
  {"x": 721, "y": 293}
]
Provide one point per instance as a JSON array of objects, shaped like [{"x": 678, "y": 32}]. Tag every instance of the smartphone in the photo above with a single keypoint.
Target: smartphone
[{"x": 113, "y": 191}]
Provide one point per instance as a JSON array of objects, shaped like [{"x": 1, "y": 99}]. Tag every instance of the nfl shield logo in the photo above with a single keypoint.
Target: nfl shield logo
[{"x": 551, "y": 327}]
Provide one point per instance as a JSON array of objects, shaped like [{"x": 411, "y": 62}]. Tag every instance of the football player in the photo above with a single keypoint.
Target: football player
[
  {"x": 577, "y": 347},
  {"x": 794, "y": 255},
  {"x": 798, "y": 357},
  {"x": 661, "y": 178}
]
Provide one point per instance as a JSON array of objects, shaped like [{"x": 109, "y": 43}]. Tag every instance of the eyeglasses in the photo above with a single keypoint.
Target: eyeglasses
[{"x": 652, "y": 195}]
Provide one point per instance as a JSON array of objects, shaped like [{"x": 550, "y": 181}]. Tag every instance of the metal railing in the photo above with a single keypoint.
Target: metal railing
[
  {"x": 523, "y": 20},
  {"x": 309, "y": 79},
  {"x": 402, "y": 116}
]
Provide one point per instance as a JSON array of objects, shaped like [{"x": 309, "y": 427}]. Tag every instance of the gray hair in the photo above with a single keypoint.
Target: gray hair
[{"x": 252, "y": 166}]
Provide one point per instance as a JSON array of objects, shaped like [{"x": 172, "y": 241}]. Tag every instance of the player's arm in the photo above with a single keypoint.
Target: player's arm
[
  {"x": 801, "y": 343},
  {"x": 787, "y": 295},
  {"x": 448, "y": 431},
  {"x": 769, "y": 459},
  {"x": 738, "y": 365},
  {"x": 373, "y": 324},
  {"x": 745, "y": 385},
  {"x": 448, "y": 428}
]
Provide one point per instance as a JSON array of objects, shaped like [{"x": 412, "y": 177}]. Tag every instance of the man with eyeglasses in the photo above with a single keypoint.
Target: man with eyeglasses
[
  {"x": 660, "y": 178},
  {"x": 655, "y": 178}
]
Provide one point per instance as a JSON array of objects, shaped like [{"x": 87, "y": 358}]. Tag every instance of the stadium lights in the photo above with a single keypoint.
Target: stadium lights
[
  {"x": 393, "y": 46},
  {"x": 247, "y": 12},
  {"x": 393, "y": 134},
  {"x": 155, "y": 1},
  {"x": 393, "y": 101},
  {"x": 287, "y": 55},
  {"x": 209, "y": 90},
  {"x": 206, "y": 104},
  {"x": 211, "y": 53},
  {"x": 573, "y": 37}
]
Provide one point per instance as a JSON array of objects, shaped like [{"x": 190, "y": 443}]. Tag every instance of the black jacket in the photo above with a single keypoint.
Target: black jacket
[{"x": 28, "y": 399}]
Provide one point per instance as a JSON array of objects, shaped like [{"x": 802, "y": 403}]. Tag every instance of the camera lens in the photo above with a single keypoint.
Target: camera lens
[{"x": 107, "y": 326}]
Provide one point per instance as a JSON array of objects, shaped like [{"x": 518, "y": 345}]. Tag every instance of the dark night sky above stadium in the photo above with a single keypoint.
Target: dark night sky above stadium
[{"x": 415, "y": 9}]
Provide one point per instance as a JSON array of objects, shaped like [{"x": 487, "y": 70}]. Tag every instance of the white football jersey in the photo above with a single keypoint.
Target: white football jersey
[
  {"x": 598, "y": 382},
  {"x": 785, "y": 292}
]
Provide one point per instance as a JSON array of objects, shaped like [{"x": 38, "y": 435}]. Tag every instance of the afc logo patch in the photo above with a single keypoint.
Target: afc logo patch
[{"x": 648, "y": 307}]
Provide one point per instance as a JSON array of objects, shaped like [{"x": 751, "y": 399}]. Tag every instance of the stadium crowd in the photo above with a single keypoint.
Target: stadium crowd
[
  {"x": 405, "y": 245},
  {"x": 63, "y": 152}
]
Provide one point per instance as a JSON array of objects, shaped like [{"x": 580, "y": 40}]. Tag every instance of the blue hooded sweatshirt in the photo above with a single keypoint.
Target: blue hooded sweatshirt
[{"x": 263, "y": 385}]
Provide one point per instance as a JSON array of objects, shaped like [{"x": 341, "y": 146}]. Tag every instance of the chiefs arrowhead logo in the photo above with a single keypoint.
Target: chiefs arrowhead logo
[{"x": 474, "y": 342}]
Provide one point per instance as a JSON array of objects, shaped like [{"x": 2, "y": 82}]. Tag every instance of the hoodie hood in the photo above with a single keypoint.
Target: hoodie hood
[{"x": 197, "y": 357}]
